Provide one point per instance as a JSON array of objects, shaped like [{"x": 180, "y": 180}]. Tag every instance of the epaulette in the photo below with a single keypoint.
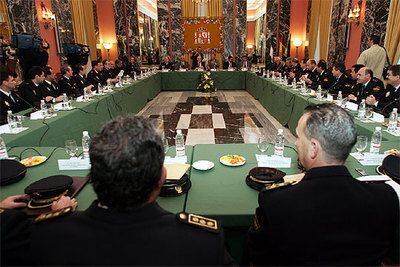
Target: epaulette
[
  {"x": 53, "y": 214},
  {"x": 279, "y": 185},
  {"x": 198, "y": 221}
]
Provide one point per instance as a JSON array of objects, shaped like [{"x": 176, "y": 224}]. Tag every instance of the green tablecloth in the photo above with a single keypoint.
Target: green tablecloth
[
  {"x": 189, "y": 80},
  {"x": 287, "y": 105},
  {"x": 222, "y": 191},
  {"x": 88, "y": 116},
  {"x": 87, "y": 195}
]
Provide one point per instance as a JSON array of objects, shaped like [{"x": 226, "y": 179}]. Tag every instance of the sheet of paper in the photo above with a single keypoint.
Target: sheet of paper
[
  {"x": 368, "y": 159},
  {"x": 73, "y": 164},
  {"x": 376, "y": 117},
  {"x": 175, "y": 171},
  {"x": 373, "y": 178},
  {"x": 273, "y": 161},
  {"x": 5, "y": 129},
  {"x": 170, "y": 160},
  {"x": 351, "y": 106}
]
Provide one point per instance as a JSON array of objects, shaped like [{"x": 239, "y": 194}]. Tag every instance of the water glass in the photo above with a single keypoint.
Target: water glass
[
  {"x": 71, "y": 148},
  {"x": 166, "y": 145},
  {"x": 262, "y": 144},
  {"x": 368, "y": 113},
  {"x": 361, "y": 145}
]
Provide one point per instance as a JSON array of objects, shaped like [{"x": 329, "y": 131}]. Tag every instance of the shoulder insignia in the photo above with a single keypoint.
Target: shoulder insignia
[
  {"x": 326, "y": 79},
  {"x": 278, "y": 185},
  {"x": 388, "y": 94},
  {"x": 53, "y": 214},
  {"x": 198, "y": 221},
  {"x": 1, "y": 210},
  {"x": 7, "y": 104}
]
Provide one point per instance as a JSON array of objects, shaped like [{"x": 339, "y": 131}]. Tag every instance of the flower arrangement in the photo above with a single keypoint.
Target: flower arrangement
[{"x": 206, "y": 84}]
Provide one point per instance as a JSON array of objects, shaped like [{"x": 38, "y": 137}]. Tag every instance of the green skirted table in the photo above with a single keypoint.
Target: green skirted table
[
  {"x": 87, "y": 195},
  {"x": 189, "y": 80},
  {"x": 88, "y": 116}
]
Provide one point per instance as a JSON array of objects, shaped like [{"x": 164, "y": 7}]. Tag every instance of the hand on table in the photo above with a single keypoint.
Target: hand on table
[
  {"x": 64, "y": 202},
  {"x": 12, "y": 202},
  {"x": 370, "y": 100}
]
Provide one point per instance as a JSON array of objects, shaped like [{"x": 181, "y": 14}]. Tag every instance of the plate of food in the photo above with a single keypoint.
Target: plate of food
[
  {"x": 386, "y": 123},
  {"x": 232, "y": 160},
  {"x": 33, "y": 161}
]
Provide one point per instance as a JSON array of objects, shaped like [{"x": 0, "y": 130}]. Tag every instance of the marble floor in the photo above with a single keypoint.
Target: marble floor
[{"x": 228, "y": 117}]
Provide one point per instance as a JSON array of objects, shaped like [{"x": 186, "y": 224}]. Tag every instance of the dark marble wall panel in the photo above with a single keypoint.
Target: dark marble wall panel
[
  {"x": 376, "y": 16},
  {"x": 121, "y": 21},
  {"x": 227, "y": 11},
  {"x": 241, "y": 25},
  {"x": 23, "y": 16},
  {"x": 284, "y": 26},
  {"x": 177, "y": 30},
  {"x": 272, "y": 20},
  {"x": 62, "y": 9},
  {"x": 162, "y": 7},
  {"x": 306, "y": 52},
  {"x": 337, "y": 37},
  {"x": 96, "y": 27}
]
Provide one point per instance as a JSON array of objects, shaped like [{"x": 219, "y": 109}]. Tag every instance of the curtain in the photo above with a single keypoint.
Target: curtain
[
  {"x": 189, "y": 9},
  {"x": 392, "y": 42},
  {"x": 83, "y": 23},
  {"x": 324, "y": 27},
  {"x": 5, "y": 29},
  {"x": 314, "y": 25},
  {"x": 214, "y": 8}
]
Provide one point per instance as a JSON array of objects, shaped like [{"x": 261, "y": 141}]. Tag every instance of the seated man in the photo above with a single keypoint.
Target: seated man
[
  {"x": 328, "y": 218},
  {"x": 8, "y": 99},
  {"x": 230, "y": 64},
  {"x": 133, "y": 67},
  {"x": 181, "y": 63},
  {"x": 167, "y": 64},
  {"x": 341, "y": 81},
  {"x": 325, "y": 78},
  {"x": 30, "y": 90},
  {"x": 366, "y": 86},
  {"x": 49, "y": 88},
  {"x": 95, "y": 76},
  {"x": 125, "y": 225},
  {"x": 67, "y": 83},
  {"x": 311, "y": 77},
  {"x": 246, "y": 63},
  {"x": 81, "y": 82},
  {"x": 108, "y": 72},
  {"x": 391, "y": 97}
]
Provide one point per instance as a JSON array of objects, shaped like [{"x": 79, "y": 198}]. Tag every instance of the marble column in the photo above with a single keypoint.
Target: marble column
[
  {"x": 227, "y": 11},
  {"x": 272, "y": 24},
  {"x": 241, "y": 26},
  {"x": 163, "y": 28},
  {"x": 284, "y": 26},
  {"x": 177, "y": 29},
  {"x": 130, "y": 20},
  {"x": 306, "y": 52},
  {"x": 376, "y": 16},
  {"x": 240, "y": 31},
  {"x": 337, "y": 37},
  {"x": 23, "y": 16},
  {"x": 96, "y": 27},
  {"x": 62, "y": 9}
]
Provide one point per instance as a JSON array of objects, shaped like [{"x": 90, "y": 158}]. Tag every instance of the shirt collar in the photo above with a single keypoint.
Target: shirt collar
[
  {"x": 36, "y": 84},
  {"x": 48, "y": 82},
  {"x": 4, "y": 92}
]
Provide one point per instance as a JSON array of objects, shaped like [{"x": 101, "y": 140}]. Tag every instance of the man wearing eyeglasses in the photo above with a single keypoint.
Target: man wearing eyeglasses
[{"x": 366, "y": 85}]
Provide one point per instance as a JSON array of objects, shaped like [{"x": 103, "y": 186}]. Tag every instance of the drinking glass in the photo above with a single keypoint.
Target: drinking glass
[
  {"x": 361, "y": 144},
  {"x": 71, "y": 148},
  {"x": 166, "y": 145},
  {"x": 262, "y": 144},
  {"x": 368, "y": 113}
]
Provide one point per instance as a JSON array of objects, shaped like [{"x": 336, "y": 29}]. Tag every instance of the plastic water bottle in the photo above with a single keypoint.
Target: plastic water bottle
[
  {"x": 294, "y": 83},
  {"x": 376, "y": 141},
  {"x": 393, "y": 121},
  {"x": 179, "y": 143},
  {"x": 319, "y": 92},
  {"x": 43, "y": 108},
  {"x": 10, "y": 120},
  {"x": 279, "y": 143},
  {"x": 85, "y": 144},
  {"x": 65, "y": 101},
  {"x": 100, "y": 89},
  {"x": 361, "y": 110},
  {"x": 3, "y": 149}
]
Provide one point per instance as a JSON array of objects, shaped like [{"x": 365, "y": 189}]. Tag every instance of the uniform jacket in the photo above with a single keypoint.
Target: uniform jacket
[
  {"x": 343, "y": 83},
  {"x": 325, "y": 79},
  {"x": 329, "y": 218},
  {"x": 389, "y": 100},
  {"x": 48, "y": 89},
  {"x": 374, "y": 87},
  {"x": 15, "y": 104},
  {"x": 95, "y": 78},
  {"x": 81, "y": 82},
  {"x": 67, "y": 86},
  {"x": 31, "y": 93}
]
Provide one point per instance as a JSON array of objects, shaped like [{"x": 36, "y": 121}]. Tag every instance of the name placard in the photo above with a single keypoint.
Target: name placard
[
  {"x": 273, "y": 161},
  {"x": 73, "y": 164}
]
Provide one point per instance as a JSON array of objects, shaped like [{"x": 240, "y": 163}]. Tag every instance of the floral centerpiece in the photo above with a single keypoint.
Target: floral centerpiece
[{"x": 206, "y": 84}]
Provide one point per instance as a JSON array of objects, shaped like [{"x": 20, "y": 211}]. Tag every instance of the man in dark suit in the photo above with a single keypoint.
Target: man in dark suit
[
  {"x": 391, "y": 97},
  {"x": 230, "y": 64},
  {"x": 302, "y": 71},
  {"x": 325, "y": 78},
  {"x": 8, "y": 99},
  {"x": 67, "y": 83},
  {"x": 125, "y": 225},
  {"x": 49, "y": 88},
  {"x": 328, "y": 218},
  {"x": 311, "y": 77},
  {"x": 166, "y": 64},
  {"x": 30, "y": 90},
  {"x": 341, "y": 81},
  {"x": 133, "y": 67},
  {"x": 195, "y": 58},
  {"x": 81, "y": 82},
  {"x": 108, "y": 72},
  {"x": 94, "y": 76},
  {"x": 366, "y": 85}
]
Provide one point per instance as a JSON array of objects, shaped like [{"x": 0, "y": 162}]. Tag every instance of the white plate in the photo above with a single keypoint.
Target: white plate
[{"x": 203, "y": 165}]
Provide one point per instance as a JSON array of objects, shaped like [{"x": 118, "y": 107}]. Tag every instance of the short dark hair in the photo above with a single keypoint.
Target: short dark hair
[
  {"x": 95, "y": 62},
  {"x": 127, "y": 157},
  {"x": 333, "y": 127},
  {"x": 47, "y": 71},
  {"x": 105, "y": 61},
  {"x": 340, "y": 67},
  {"x": 370, "y": 72},
  {"x": 304, "y": 60},
  {"x": 312, "y": 61},
  {"x": 322, "y": 64},
  {"x": 35, "y": 70},
  {"x": 4, "y": 76},
  {"x": 357, "y": 67},
  {"x": 65, "y": 68},
  {"x": 395, "y": 69},
  {"x": 375, "y": 39},
  {"x": 80, "y": 67},
  {"x": 117, "y": 61}
]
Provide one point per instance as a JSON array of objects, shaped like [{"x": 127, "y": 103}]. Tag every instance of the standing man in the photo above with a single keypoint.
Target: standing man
[
  {"x": 328, "y": 218},
  {"x": 374, "y": 57},
  {"x": 125, "y": 225}
]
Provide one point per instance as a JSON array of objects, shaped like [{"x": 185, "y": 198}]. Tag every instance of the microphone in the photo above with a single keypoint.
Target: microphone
[{"x": 26, "y": 102}]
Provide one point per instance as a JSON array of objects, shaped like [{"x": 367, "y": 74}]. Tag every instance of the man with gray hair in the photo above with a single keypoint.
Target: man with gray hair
[{"x": 328, "y": 218}]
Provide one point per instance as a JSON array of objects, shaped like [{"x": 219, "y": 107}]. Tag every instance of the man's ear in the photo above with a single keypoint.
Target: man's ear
[{"x": 315, "y": 148}]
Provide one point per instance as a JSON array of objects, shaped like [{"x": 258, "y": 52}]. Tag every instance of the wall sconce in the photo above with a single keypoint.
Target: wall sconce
[
  {"x": 354, "y": 13},
  {"x": 108, "y": 46},
  {"x": 297, "y": 43},
  {"x": 48, "y": 17},
  {"x": 249, "y": 46}
]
